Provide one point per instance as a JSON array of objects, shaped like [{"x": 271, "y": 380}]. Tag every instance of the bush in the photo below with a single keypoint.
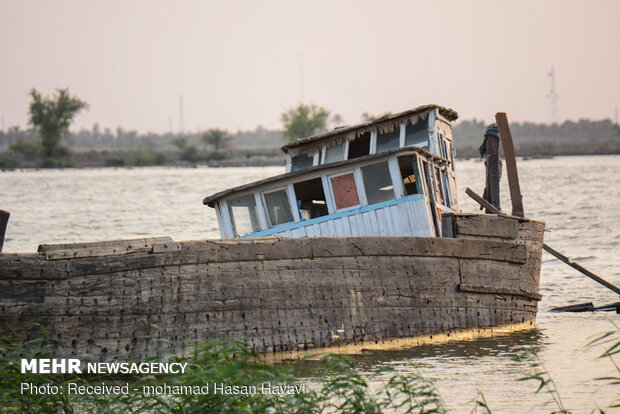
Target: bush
[
  {"x": 190, "y": 153},
  {"x": 26, "y": 148},
  {"x": 115, "y": 162},
  {"x": 216, "y": 156}
]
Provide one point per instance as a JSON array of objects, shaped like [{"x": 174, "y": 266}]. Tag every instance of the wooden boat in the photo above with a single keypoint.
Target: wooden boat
[{"x": 361, "y": 241}]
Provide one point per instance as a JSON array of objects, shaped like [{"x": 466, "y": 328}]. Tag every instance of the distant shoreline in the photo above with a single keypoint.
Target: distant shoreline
[{"x": 9, "y": 160}]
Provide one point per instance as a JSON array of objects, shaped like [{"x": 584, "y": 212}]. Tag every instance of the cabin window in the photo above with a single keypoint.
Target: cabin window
[
  {"x": 416, "y": 134},
  {"x": 334, "y": 153},
  {"x": 345, "y": 191},
  {"x": 311, "y": 199},
  {"x": 301, "y": 161},
  {"x": 278, "y": 207},
  {"x": 446, "y": 187},
  {"x": 443, "y": 148},
  {"x": 244, "y": 215},
  {"x": 360, "y": 146},
  {"x": 378, "y": 183},
  {"x": 440, "y": 197},
  {"x": 408, "y": 173},
  {"x": 388, "y": 141}
]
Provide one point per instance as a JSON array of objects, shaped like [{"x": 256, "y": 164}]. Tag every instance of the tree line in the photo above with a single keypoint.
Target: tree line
[{"x": 50, "y": 118}]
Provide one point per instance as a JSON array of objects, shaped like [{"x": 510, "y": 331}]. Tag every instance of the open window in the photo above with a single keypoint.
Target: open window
[
  {"x": 360, "y": 146},
  {"x": 408, "y": 167},
  {"x": 244, "y": 215},
  {"x": 388, "y": 141},
  {"x": 345, "y": 190},
  {"x": 278, "y": 207},
  {"x": 301, "y": 161},
  {"x": 378, "y": 183},
  {"x": 416, "y": 134},
  {"x": 311, "y": 199}
]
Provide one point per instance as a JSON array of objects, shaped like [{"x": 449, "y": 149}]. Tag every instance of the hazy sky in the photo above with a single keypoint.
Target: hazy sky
[{"x": 239, "y": 64}]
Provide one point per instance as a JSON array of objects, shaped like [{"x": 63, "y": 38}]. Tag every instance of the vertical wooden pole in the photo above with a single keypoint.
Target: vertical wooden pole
[
  {"x": 4, "y": 220},
  {"x": 492, "y": 179},
  {"x": 511, "y": 164}
]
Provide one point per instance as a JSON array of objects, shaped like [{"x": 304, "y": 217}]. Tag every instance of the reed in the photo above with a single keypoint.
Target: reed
[{"x": 335, "y": 386}]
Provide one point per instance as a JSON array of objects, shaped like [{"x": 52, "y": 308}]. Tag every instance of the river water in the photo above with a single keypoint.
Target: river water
[{"x": 577, "y": 197}]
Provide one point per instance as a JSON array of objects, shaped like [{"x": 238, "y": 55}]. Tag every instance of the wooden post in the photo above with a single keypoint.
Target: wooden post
[
  {"x": 4, "y": 220},
  {"x": 492, "y": 171},
  {"x": 511, "y": 164}
]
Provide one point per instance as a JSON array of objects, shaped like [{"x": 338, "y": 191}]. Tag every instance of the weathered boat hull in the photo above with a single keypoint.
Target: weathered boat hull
[{"x": 274, "y": 294}]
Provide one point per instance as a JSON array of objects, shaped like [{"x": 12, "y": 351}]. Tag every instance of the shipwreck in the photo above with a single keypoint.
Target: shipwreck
[{"x": 360, "y": 242}]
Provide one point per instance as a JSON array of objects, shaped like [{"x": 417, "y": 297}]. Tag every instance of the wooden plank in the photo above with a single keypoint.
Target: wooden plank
[
  {"x": 486, "y": 226},
  {"x": 166, "y": 247},
  {"x": 448, "y": 226},
  {"x": 581, "y": 307},
  {"x": 511, "y": 164},
  {"x": 497, "y": 290},
  {"x": 105, "y": 248}
]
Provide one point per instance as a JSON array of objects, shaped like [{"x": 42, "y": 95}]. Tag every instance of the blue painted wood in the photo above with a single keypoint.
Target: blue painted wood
[{"x": 365, "y": 216}]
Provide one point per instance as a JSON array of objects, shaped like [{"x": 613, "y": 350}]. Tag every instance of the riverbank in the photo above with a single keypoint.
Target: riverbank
[{"x": 12, "y": 160}]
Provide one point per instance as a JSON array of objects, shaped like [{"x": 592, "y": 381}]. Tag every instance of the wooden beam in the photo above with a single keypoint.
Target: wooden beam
[
  {"x": 547, "y": 248},
  {"x": 511, "y": 164},
  {"x": 4, "y": 220},
  {"x": 484, "y": 203},
  {"x": 583, "y": 270},
  {"x": 581, "y": 307}
]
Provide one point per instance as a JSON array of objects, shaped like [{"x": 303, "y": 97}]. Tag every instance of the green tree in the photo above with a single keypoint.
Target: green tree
[
  {"x": 180, "y": 142},
  {"x": 52, "y": 116},
  {"x": 219, "y": 138},
  {"x": 304, "y": 121}
]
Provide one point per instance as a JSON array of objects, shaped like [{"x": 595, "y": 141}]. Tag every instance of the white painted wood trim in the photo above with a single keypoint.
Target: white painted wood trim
[
  {"x": 422, "y": 175},
  {"x": 329, "y": 195},
  {"x": 373, "y": 142},
  {"x": 397, "y": 180},
  {"x": 289, "y": 162},
  {"x": 402, "y": 135},
  {"x": 361, "y": 189},
  {"x": 316, "y": 159},
  {"x": 228, "y": 226},
  {"x": 220, "y": 223},
  {"x": 323, "y": 153},
  {"x": 292, "y": 200},
  {"x": 260, "y": 211},
  {"x": 345, "y": 152},
  {"x": 432, "y": 131}
]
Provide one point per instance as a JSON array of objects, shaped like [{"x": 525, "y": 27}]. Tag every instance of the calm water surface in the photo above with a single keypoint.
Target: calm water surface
[{"x": 577, "y": 197}]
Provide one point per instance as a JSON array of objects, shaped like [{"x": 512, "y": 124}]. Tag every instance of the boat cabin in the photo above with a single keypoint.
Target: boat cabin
[{"x": 393, "y": 176}]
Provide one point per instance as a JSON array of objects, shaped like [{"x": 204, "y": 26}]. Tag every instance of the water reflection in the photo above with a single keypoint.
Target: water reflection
[{"x": 501, "y": 349}]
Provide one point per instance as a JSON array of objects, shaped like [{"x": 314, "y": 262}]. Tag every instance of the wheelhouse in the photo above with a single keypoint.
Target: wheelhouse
[{"x": 390, "y": 177}]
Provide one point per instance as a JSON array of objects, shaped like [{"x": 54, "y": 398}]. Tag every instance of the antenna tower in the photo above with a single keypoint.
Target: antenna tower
[
  {"x": 553, "y": 99},
  {"x": 181, "y": 113}
]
